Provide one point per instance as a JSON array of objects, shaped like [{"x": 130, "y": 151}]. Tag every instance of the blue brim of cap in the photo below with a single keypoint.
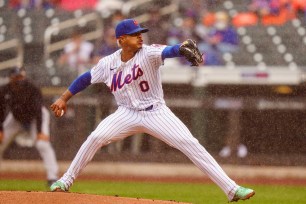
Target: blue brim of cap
[{"x": 138, "y": 30}]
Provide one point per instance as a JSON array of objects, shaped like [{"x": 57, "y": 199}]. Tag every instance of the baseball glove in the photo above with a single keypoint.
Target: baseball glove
[{"x": 191, "y": 52}]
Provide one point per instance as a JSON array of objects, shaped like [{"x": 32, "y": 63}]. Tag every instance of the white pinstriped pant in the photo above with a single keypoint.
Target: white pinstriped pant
[
  {"x": 159, "y": 122},
  {"x": 11, "y": 127}
]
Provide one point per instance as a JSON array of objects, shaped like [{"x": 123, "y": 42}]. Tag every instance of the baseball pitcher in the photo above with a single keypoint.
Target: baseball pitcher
[{"x": 133, "y": 76}]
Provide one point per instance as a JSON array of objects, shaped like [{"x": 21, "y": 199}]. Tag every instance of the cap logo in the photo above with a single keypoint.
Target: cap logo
[{"x": 135, "y": 22}]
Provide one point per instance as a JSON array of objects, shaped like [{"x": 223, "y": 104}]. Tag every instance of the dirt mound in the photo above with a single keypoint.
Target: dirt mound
[{"x": 13, "y": 197}]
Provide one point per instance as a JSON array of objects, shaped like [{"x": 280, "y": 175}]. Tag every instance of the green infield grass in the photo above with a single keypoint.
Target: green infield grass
[{"x": 184, "y": 192}]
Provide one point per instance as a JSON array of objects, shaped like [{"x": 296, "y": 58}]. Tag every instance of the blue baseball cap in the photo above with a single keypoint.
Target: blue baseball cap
[{"x": 128, "y": 27}]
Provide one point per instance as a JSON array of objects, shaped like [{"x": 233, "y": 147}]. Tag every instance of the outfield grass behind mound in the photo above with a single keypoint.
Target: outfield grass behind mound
[{"x": 184, "y": 192}]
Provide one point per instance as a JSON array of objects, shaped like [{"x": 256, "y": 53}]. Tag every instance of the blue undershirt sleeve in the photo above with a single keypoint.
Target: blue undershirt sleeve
[
  {"x": 80, "y": 83},
  {"x": 171, "y": 51}
]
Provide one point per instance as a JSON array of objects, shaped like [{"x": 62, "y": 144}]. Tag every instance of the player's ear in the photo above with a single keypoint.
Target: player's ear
[{"x": 119, "y": 41}]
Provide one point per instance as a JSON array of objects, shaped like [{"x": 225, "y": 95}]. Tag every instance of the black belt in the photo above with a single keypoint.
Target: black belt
[{"x": 148, "y": 108}]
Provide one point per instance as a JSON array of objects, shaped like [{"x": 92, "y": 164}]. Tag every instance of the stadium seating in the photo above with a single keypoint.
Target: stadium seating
[
  {"x": 272, "y": 40},
  {"x": 261, "y": 43}
]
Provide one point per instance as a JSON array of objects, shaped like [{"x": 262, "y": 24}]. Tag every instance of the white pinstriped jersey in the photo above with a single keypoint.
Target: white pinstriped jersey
[{"x": 136, "y": 84}]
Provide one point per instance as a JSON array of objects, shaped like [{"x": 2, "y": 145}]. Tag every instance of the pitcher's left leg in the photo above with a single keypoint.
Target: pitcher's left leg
[{"x": 166, "y": 126}]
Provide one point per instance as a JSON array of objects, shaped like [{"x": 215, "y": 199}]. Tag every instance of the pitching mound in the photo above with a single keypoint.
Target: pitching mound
[{"x": 13, "y": 197}]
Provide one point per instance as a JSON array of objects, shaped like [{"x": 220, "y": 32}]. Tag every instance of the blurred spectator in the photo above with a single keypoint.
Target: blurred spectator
[
  {"x": 273, "y": 12},
  {"x": 269, "y": 7},
  {"x": 157, "y": 25},
  {"x": 184, "y": 27},
  {"x": 106, "y": 46},
  {"x": 174, "y": 36},
  {"x": 33, "y": 4},
  {"x": 222, "y": 35},
  {"x": 77, "y": 54},
  {"x": 113, "y": 20},
  {"x": 260, "y": 7},
  {"x": 188, "y": 25},
  {"x": 72, "y": 5},
  {"x": 299, "y": 7},
  {"x": 221, "y": 38},
  {"x": 199, "y": 7}
]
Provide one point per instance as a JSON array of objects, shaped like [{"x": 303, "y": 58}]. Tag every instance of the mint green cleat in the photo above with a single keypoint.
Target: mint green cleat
[
  {"x": 58, "y": 187},
  {"x": 243, "y": 194}
]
